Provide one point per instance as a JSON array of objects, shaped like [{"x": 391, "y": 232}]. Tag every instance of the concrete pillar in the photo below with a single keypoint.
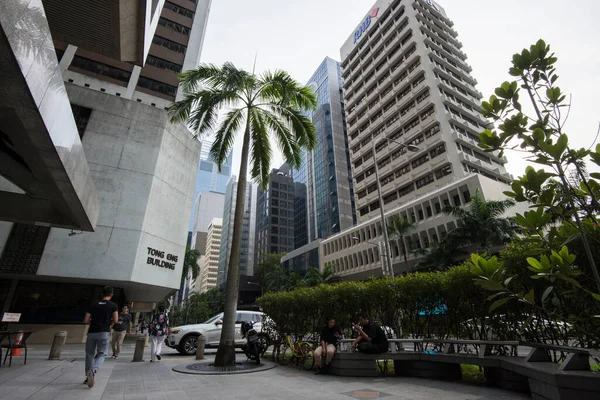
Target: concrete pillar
[
  {"x": 60, "y": 338},
  {"x": 67, "y": 58},
  {"x": 138, "y": 354},
  {"x": 133, "y": 80}
]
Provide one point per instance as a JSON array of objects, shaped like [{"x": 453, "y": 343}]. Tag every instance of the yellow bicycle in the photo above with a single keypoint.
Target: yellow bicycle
[{"x": 300, "y": 353}]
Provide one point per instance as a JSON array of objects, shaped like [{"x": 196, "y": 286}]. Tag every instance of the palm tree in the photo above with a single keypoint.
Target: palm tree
[
  {"x": 265, "y": 106},
  {"x": 399, "y": 226},
  {"x": 190, "y": 264},
  {"x": 481, "y": 224},
  {"x": 314, "y": 277}
]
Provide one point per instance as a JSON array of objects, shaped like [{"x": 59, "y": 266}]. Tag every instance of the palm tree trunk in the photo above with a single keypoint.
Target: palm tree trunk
[
  {"x": 226, "y": 352},
  {"x": 404, "y": 254}
]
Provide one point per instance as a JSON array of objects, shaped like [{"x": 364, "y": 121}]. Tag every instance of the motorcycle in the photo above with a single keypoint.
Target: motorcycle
[{"x": 252, "y": 348}]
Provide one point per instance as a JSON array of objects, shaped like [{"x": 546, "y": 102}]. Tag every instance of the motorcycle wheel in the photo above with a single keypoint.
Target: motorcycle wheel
[{"x": 257, "y": 354}]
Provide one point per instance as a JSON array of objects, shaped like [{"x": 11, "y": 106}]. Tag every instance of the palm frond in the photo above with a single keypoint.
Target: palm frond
[
  {"x": 285, "y": 138},
  {"x": 206, "y": 74},
  {"x": 225, "y": 136},
  {"x": 302, "y": 127},
  {"x": 261, "y": 148},
  {"x": 280, "y": 88}
]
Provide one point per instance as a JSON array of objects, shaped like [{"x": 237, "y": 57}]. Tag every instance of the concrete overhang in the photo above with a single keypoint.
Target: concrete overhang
[
  {"x": 119, "y": 29},
  {"x": 40, "y": 148}
]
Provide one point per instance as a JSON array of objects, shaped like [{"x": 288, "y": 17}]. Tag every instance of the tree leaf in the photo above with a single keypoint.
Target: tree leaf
[
  {"x": 499, "y": 303},
  {"x": 547, "y": 292}
]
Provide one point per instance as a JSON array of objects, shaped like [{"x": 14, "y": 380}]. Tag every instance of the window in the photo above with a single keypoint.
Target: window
[
  {"x": 403, "y": 170},
  {"x": 467, "y": 196},
  {"x": 174, "y": 26},
  {"x": 101, "y": 69},
  {"x": 163, "y": 64},
  {"x": 437, "y": 151},
  {"x": 82, "y": 117},
  {"x": 424, "y": 181},
  {"x": 456, "y": 199},
  {"x": 156, "y": 86},
  {"x": 169, "y": 44},
  {"x": 420, "y": 161},
  {"x": 421, "y": 216},
  {"x": 442, "y": 172},
  {"x": 275, "y": 220},
  {"x": 429, "y": 212},
  {"x": 406, "y": 190},
  {"x": 179, "y": 10}
]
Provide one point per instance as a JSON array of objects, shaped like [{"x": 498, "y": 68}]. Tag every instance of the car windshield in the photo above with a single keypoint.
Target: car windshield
[{"x": 214, "y": 319}]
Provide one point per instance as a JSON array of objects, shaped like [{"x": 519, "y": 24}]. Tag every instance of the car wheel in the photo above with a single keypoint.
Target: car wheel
[{"x": 188, "y": 345}]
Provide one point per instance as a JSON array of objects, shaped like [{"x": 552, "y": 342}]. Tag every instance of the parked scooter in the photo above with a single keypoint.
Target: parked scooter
[{"x": 252, "y": 348}]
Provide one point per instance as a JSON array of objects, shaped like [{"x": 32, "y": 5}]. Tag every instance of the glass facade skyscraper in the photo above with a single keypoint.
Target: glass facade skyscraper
[
  {"x": 326, "y": 169},
  {"x": 209, "y": 178}
]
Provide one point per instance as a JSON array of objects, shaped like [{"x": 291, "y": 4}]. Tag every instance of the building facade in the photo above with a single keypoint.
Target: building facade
[
  {"x": 329, "y": 178},
  {"x": 406, "y": 79},
  {"x": 248, "y": 230},
  {"x": 102, "y": 102},
  {"x": 209, "y": 178},
  {"x": 210, "y": 268},
  {"x": 275, "y": 214}
]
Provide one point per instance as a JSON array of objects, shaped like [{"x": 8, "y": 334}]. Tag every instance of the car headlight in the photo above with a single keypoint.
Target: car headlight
[{"x": 175, "y": 331}]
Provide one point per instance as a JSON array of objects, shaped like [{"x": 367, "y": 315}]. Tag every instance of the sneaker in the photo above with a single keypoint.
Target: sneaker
[
  {"x": 116, "y": 357},
  {"x": 90, "y": 379},
  {"x": 158, "y": 357}
]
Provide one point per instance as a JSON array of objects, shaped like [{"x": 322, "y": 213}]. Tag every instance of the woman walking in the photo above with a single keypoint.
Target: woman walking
[{"x": 158, "y": 329}]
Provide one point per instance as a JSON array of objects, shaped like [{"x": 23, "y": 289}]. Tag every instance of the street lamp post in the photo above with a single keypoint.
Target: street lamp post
[
  {"x": 378, "y": 245},
  {"x": 386, "y": 240},
  {"x": 259, "y": 285}
]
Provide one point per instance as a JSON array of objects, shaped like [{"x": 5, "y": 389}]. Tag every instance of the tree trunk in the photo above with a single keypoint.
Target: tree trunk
[
  {"x": 404, "y": 254},
  {"x": 226, "y": 352}
]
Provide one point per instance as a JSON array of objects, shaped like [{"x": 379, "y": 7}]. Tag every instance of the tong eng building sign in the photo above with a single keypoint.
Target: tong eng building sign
[{"x": 157, "y": 257}]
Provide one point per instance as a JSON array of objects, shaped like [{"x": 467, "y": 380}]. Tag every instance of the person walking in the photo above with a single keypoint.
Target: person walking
[
  {"x": 158, "y": 329},
  {"x": 120, "y": 329},
  {"x": 100, "y": 317},
  {"x": 329, "y": 337}
]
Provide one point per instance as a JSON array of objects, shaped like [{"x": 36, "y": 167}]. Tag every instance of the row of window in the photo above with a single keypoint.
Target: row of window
[
  {"x": 157, "y": 86},
  {"x": 179, "y": 10},
  {"x": 163, "y": 64},
  {"x": 101, "y": 69},
  {"x": 419, "y": 183},
  {"x": 184, "y": 30},
  {"x": 169, "y": 44}
]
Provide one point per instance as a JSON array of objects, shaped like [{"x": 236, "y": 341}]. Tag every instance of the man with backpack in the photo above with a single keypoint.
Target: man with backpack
[
  {"x": 120, "y": 329},
  {"x": 371, "y": 339},
  {"x": 158, "y": 329}
]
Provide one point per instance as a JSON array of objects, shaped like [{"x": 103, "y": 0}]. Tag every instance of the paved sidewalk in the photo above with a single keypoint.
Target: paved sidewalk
[{"x": 44, "y": 380}]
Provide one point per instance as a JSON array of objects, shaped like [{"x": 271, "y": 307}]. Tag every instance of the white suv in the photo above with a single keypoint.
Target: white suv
[{"x": 184, "y": 338}]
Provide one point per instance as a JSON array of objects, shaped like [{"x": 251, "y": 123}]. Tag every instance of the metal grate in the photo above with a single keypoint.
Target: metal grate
[{"x": 24, "y": 249}]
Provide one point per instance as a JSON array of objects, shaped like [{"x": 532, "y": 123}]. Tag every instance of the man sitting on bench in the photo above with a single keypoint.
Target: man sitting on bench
[{"x": 371, "y": 339}]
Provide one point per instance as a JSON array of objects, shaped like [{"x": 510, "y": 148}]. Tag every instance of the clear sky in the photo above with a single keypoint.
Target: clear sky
[{"x": 296, "y": 35}]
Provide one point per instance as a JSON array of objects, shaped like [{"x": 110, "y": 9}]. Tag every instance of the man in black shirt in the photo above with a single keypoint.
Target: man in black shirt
[
  {"x": 122, "y": 327},
  {"x": 371, "y": 339},
  {"x": 101, "y": 316},
  {"x": 329, "y": 337}
]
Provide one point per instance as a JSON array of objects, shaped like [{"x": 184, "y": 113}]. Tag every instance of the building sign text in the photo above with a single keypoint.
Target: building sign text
[
  {"x": 366, "y": 23},
  {"x": 157, "y": 257}
]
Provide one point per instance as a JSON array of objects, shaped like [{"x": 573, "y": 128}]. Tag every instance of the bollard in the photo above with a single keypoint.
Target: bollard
[
  {"x": 138, "y": 354},
  {"x": 200, "y": 347},
  {"x": 60, "y": 338}
]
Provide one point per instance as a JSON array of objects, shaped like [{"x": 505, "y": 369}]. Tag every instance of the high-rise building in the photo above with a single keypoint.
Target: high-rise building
[
  {"x": 89, "y": 147},
  {"x": 275, "y": 214},
  {"x": 248, "y": 230},
  {"x": 329, "y": 177},
  {"x": 406, "y": 81},
  {"x": 324, "y": 187},
  {"x": 209, "y": 178},
  {"x": 210, "y": 269}
]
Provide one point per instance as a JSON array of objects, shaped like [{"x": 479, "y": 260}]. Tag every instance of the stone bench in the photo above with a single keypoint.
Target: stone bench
[{"x": 533, "y": 374}]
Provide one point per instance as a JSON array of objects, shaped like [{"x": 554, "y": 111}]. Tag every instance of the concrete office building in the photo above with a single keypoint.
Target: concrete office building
[
  {"x": 275, "y": 214},
  {"x": 248, "y": 230},
  {"x": 406, "y": 79},
  {"x": 210, "y": 269},
  {"x": 114, "y": 164},
  {"x": 209, "y": 178}
]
